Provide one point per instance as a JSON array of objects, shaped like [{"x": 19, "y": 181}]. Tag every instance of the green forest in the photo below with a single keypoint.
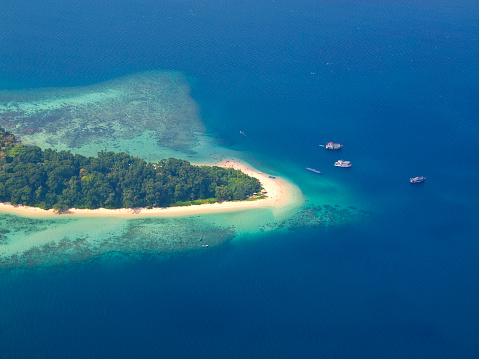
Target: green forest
[{"x": 59, "y": 179}]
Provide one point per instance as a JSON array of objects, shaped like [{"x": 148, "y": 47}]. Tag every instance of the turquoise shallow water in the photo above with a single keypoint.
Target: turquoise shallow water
[
  {"x": 151, "y": 115},
  {"x": 395, "y": 82}
]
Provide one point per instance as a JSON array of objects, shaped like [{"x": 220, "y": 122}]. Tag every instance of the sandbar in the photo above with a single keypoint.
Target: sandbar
[{"x": 280, "y": 193}]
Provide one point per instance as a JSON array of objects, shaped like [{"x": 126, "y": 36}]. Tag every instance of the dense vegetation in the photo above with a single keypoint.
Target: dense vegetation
[{"x": 60, "y": 180}]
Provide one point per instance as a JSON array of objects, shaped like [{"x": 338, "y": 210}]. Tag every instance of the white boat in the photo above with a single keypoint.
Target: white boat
[
  {"x": 342, "y": 163},
  {"x": 333, "y": 146},
  {"x": 420, "y": 179}
]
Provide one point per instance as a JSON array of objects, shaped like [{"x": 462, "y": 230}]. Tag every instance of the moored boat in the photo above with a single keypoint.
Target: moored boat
[
  {"x": 342, "y": 163},
  {"x": 313, "y": 170},
  {"x": 333, "y": 146},
  {"x": 420, "y": 179}
]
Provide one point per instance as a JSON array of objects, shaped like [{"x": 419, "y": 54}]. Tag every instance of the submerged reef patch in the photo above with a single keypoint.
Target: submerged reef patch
[
  {"x": 317, "y": 216},
  {"x": 41, "y": 242},
  {"x": 33, "y": 243},
  {"x": 155, "y": 105}
]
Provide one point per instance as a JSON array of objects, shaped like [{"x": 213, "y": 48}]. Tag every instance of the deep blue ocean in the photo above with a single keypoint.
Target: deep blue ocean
[{"x": 397, "y": 81}]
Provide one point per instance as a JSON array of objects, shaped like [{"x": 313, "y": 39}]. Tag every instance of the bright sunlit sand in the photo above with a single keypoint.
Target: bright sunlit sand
[{"x": 280, "y": 194}]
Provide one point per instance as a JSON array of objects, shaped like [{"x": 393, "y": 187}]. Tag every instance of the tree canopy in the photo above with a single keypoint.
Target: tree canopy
[{"x": 59, "y": 179}]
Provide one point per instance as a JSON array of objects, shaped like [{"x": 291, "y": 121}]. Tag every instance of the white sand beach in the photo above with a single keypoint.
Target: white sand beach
[{"x": 279, "y": 192}]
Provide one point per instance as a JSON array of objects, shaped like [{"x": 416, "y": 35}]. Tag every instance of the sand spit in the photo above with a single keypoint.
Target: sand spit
[{"x": 280, "y": 194}]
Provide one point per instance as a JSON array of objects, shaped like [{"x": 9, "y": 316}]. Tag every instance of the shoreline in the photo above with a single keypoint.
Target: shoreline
[{"x": 280, "y": 193}]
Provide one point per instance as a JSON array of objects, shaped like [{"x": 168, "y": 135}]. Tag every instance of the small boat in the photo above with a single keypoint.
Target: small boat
[
  {"x": 313, "y": 170},
  {"x": 342, "y": 163},
  {"x": 242, "y": 133},
  {"x": 333, "y": 146},
  {"x": 273, "y": 177},
  {"x": 417, "y": 179},
  {"x": 205, "y": 245}
]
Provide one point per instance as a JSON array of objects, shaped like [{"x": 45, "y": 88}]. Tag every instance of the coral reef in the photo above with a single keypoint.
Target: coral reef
[
  {"x": 139, "y": 236},
  {"x": 157, "y": 103}
]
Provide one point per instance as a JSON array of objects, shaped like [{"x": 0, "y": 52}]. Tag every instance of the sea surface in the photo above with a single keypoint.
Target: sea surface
[{"x": 394, "y": 275}]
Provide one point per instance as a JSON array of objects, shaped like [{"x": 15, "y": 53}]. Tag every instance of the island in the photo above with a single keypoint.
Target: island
[{"x": 60, "y": 180}]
